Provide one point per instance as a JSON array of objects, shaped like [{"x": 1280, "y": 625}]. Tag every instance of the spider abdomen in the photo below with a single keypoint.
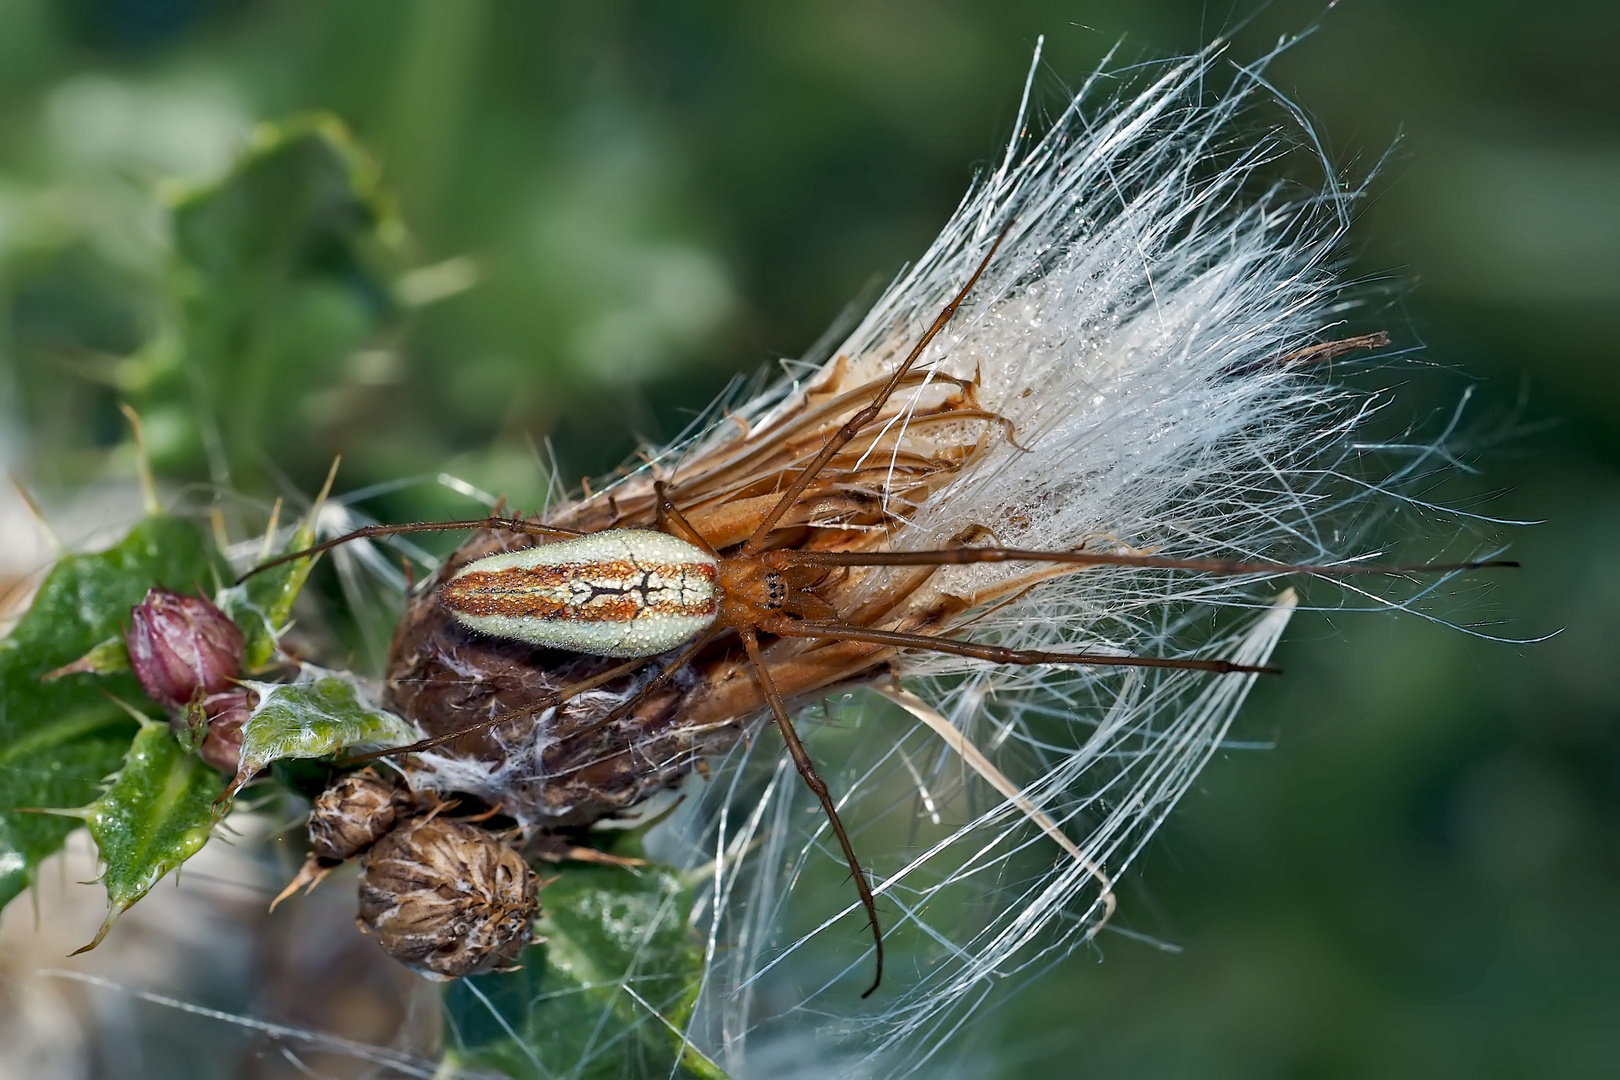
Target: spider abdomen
[{"x": 619, "y": 593}]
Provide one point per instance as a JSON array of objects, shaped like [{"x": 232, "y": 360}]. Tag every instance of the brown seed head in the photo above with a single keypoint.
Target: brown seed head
[
  {"x": 447, "y": 899},
  {"x": 179, "y": 643},
  {"x": 351, "y": 815}
]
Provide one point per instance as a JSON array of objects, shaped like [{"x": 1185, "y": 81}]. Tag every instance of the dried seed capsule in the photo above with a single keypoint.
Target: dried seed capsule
[
  {"x": 179, "y": 643},
  {"x": 351, "y": 815},
  {"x": 447, "y": 899}
]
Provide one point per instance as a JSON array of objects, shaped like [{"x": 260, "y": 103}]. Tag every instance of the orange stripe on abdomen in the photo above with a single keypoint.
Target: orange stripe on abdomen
[{"x": 594, "y": 592}]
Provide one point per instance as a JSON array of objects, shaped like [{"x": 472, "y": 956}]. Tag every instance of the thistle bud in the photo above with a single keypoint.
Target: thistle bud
[
  {"x": 447, "y": 899},
  {"x": 351, "y": 815},
  {"x": 222, "y": 742},
  {"x": 179, "y": 643}
]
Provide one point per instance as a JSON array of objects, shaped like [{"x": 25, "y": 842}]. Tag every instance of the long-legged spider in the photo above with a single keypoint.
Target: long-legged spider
[{"x": 637, "y": 593}]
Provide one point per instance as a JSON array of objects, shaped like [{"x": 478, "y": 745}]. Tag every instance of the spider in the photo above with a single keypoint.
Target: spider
[{"x": 639, "y": 593}]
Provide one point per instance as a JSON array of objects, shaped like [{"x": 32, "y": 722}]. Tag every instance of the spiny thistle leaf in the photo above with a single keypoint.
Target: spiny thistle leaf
[
  {"x": 155, "y": 815},
  {"x": 322, "y": 713},
  {"x": 283, "y": 269},
  {"x": 59, "y": 739},
  {"x": 606, "y": 994}
]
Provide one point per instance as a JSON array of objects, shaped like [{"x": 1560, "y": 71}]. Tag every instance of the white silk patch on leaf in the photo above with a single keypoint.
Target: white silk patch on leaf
[{"x": 319, "y": 714}]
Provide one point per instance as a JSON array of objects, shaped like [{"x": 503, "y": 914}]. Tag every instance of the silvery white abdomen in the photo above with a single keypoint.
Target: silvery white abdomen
[{"x": 619, "y": 593}]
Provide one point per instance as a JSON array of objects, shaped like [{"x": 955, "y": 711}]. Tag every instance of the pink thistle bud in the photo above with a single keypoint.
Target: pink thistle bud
[
  {"x": 222, "y": 744},
  {"x": 180, "y": 643}
]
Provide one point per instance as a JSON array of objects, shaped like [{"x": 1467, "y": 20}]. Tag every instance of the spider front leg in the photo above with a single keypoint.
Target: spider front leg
[{"x": 512, "y": 524}]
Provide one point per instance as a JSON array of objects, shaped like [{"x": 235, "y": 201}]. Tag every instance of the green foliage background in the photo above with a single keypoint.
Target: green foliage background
[{"x": 1421, "y": 877}]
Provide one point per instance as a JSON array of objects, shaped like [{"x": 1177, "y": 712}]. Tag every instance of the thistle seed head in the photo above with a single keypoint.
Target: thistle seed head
[
  {"x": 351, "y": 815},
  {"x": 447, "y": 899}
]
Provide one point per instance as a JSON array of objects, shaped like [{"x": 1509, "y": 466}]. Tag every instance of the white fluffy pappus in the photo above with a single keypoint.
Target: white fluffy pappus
[{"x": 1138, "y": 334}]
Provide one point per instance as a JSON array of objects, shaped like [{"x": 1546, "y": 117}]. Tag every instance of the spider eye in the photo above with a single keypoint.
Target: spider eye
[{"x": 775, "y": 591}]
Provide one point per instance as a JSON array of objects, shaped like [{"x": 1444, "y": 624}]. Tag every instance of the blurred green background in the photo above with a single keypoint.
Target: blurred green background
[{"x": 610, "y": 209}]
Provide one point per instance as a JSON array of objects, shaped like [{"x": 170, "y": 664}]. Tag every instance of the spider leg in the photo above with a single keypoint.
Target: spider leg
[
  {"x": 657, "y": 682},
  {"x": 539, "y": 705},
  {"x": 807, "y": 770},
  {"x": 668, "y": 514},
  {"x": 557, "y": 697},
  {"x": 854, "y": 424},
  {"x": 839, "y": 631},
  {"x": 955, "y": 556},
  {"x": 545, "y": 702},
  {"x": 510, "y": 524},
  {"x": 889, "y": 599}
]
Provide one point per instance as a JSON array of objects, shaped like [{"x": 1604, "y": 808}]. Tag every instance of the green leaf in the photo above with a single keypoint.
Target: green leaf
[
  {"x": 607, "y": 992},
  {"x": 322, "y": 713},
  {"x": 60, "y": 739},
  {"x": 284, "y": 270},
  {"x": 154, "y": 816},
  {"x": 108, "y": 658}
]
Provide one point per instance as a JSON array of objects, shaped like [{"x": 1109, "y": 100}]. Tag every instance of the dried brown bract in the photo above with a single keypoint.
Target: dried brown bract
[{"x": 447, "y": 899}]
